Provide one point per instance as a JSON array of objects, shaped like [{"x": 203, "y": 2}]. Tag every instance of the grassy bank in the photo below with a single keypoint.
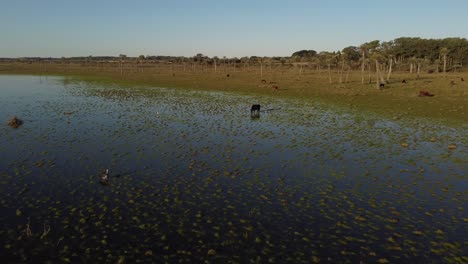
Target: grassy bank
[{"x": 396, "y": 100}]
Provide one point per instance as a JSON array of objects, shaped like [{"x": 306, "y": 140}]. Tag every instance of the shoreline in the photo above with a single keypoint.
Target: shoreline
[{"x": 397, "y": 100}]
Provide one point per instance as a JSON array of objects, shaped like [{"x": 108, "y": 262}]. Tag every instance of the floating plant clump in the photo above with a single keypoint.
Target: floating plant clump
[
  {"x": 15, "y": 122},
  {"x": 192, "y": 178}
]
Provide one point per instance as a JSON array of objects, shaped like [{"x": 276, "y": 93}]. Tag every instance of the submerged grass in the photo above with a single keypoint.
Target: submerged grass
[{"x": 194, "y": 179}]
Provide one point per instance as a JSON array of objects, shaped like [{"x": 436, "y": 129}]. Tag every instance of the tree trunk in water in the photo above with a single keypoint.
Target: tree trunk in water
[
  {"x": 261, "y": 70},
  {"x": 445, "y": 65},
  {"x": 362, "y": 67},
  {"x": 369, "y": 71},
  {"x": 347, "y": 74},
  {"x": 389, "y": 70},
  {"x": 377, "y": 74},
  {"x": 418, "y": 70},
  {"x": 381, "y": 70},
  {"x": 342, "y": 71}
]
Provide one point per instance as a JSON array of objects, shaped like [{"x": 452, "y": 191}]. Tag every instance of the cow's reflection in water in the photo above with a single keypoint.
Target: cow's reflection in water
[{"x": 255, "y": 111}]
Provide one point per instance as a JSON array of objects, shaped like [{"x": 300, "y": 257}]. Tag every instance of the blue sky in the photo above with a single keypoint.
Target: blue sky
[{"x": 231, "y": 28}]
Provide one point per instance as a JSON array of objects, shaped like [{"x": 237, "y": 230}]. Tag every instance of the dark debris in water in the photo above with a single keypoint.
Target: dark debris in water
[{"x": 15, "y": 122}]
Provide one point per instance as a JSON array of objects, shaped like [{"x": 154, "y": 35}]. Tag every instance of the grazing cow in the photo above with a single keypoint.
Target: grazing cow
[
  {"x": 255, "y": 110},
  {"x": 430, "y": 71},
  {"x": 404, "y": 81},
  {"x": 382, "y": 85},
  {"x": 452, "y": 82},
  {"x": 424, "y": 94},
  {"x": 274, "y": 88},
  {"x": 461, "y": 79},
  {"x": 264, "y": 81},
  {"x": 227, "y": 75}
]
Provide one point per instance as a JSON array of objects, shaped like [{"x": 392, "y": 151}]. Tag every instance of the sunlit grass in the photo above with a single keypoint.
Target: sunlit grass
[{"x": 397, "y": 99}]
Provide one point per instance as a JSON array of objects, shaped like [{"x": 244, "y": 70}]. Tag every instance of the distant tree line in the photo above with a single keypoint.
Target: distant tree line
[
  {"x": 381, "y": 58},
  {"x": 406, "y": 50},
  {"x": 411, "y": 54}
]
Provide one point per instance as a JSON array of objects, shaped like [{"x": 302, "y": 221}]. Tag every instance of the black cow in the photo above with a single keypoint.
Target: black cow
[
  {"x": 382, "y": 85},
  {"x": 461, "y": 79},
  {"x": 404, "y": 81},
  {"x": 255, "y": 110}
]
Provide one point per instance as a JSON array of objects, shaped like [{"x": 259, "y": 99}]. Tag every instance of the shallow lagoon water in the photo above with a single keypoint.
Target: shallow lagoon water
[{"x": 195, "y": 179}]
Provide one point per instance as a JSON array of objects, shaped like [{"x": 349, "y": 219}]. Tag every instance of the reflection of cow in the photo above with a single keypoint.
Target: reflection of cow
[{"x": 255, "y": 110}]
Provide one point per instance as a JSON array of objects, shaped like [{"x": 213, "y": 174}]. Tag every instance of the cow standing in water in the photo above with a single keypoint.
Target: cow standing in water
[{"x": 255, "y": 110}]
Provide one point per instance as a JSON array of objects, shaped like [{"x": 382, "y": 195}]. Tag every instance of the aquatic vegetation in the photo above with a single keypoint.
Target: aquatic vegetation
[
  {"x": 15, "y": 122},
  {"x": 195, "y": 179}
]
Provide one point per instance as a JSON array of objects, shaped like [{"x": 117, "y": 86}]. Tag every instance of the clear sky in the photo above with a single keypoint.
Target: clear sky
[{"x": 56, "y": 28}]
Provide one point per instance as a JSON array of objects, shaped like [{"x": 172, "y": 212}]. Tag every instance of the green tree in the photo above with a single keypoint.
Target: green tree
[
  {"x": 377, "y": 58},
  {"x": 352, "y": 53},
  {"x": 366, "y": 48},
  {"x": 328, "y": 59},
  {"x": 343, "y": 59},
  {"x": 304, "y": 53}
]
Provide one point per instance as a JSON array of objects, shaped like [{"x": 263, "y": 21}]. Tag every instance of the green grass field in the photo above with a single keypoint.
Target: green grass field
[{"x": 396, "y": 100}]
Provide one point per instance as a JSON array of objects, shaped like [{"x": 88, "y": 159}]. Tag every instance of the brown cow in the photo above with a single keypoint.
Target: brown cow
[{"x": 425, "y": 93}]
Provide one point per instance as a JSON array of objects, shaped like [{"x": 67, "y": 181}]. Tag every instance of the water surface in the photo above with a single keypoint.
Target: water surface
[{"x": 194, "y": 179}]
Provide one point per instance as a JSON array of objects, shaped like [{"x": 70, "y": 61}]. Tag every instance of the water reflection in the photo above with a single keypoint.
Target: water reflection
[{"x": 199, "y": 181}]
